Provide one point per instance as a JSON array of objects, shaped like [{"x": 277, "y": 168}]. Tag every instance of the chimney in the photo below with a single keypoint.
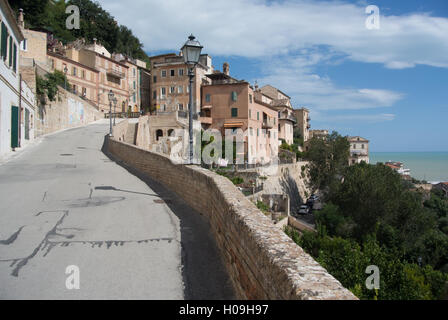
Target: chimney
[
  {"x": 21, "y": 20},
  {"x": 256, "y": 85},
  {"x": 226, "y": 68}
]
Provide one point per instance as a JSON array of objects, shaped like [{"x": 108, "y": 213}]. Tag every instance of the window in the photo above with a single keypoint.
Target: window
[
  {"x": 362, "y": 146},
  {"x": 207, "y": 97},
  {"x": 163, "y": 73},
  {"x": 134, "y": 71},
  {"x": 10, "y": 51},
  {"x": 83, "y": 74},
  {"x": 74, "y": 88},
  {"x": 154, "y": 79},
  {"x": 181, "y": 72},
  {"x": 133, "y": 97},
  {"x": 258, "y": 132},
  {"x": 274, "y": 121},
  {"x": 172, "y": 89},
  {"x": 74, "y": 71},
  {"x": 180, "y": 106},
  {"x": 234, "y": 112},
  {"x": 180, "y": 89},
  {"x": 24, "y": 45},
  {"x": 135, "y": 85},
  {"x": 172, "y": 72},
  {"x": 234, "y": 96},
  {"x": 154, "y": 94},
  {"x": 258, "y": 115},
  {"x": 4, "y": 41},
  {"x": 164, "y": 107},
  {"x": 251, "y": 131},
  {"x": 250, "y": 114},
  {"x": 84, "y": 92},
  {"x": 14, "y": 58},
  {"x": 162, "y": 92},
  {"x": 250, "y": 98}
]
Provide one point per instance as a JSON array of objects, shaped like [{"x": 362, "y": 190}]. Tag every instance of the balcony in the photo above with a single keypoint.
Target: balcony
[
  {"x": 206, "y": 120},
  {"x": 268, "y": 124},
  {"x": 115, "y": 73},
  {"x": 288, "y": 117}
]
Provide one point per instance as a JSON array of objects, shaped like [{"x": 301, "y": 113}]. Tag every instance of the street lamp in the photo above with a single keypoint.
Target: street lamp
[
  {"x": 191, "y": 51},
  {"x": 111, "y": 98},
  {"x": 65, "y": 78},
  {"x": 115, "y": 109}
]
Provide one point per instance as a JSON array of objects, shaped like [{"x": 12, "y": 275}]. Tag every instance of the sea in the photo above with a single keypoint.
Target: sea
[{"x": 429, "y": 166}]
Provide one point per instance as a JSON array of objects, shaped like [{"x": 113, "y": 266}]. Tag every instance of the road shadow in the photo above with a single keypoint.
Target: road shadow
[{"x": 203, "y": 271}]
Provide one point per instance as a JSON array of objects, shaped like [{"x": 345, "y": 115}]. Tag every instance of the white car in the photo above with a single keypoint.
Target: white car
[{"x": 304, "y": 209}]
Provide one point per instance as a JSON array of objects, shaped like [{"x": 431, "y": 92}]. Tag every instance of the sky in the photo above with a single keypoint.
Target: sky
[{"x": 387, "y": 84}]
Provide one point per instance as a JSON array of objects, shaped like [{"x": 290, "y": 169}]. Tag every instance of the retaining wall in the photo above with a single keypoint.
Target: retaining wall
[{"x": 262, "y": 261}]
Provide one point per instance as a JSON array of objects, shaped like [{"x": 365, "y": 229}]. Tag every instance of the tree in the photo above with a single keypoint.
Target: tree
[{"x": 327, "y": 160}]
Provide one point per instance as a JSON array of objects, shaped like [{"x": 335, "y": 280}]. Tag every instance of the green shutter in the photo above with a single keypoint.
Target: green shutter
[
  {"x": 234, "y": 112},
  {"x": 234, "y": 96},
  {"x": 14, "y": 58},
  {"x": 4, "y": 42},
  {"x": 10, "y": 51}
]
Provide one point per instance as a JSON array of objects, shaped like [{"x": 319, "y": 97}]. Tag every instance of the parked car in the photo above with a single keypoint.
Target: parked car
[
  {"x": 314, "y": 197},
  {"x": 304, "y": 209}
]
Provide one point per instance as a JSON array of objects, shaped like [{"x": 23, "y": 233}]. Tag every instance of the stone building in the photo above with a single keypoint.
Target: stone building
[
  {"x": 303, "y": 122},
  {"x": 282, "y": 104},
  {"x": 320, "y": 134},
  {"x": 359, "y": 150},
  {"x": 17, "y": 101},
  {"x": 230, "y": 104}
]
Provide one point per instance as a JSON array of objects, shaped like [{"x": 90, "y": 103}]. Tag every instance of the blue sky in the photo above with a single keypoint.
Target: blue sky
[{"x": 387, "y": 85}]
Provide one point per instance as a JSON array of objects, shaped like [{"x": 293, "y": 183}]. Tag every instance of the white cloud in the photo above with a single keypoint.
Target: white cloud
[
  {"x": 257, "y": 28},
  {"x": 295, "y": 75}
]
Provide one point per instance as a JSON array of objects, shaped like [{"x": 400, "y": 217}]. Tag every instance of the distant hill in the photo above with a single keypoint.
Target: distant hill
[{"x": 94, "y": 23}]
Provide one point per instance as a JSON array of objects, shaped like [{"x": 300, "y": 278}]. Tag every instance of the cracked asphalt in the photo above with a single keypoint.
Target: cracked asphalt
[{"x": 63, "y": 202}]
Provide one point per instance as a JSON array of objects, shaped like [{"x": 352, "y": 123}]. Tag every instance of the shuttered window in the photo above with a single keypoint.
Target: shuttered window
[
  {"x": 10, "y": 51},
  {"x": 234, "y": 112},
  {"x": 234, "y": 96},
  {"x": 14, "y": 58},
  {"x": 4, "y": 41}
]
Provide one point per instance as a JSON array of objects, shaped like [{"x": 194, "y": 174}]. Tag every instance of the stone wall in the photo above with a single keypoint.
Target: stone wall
[
  {"x": 262, "y": 261},
  {"x": 68, "y": 111}
]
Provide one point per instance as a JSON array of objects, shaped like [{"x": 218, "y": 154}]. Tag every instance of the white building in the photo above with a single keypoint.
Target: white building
[
  {"x": 359, "y": 150},
  {"x": 17, "y": 101}
]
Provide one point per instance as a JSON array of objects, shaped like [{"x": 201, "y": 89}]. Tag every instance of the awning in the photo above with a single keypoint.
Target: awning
[{"x": 233, "y": 125}]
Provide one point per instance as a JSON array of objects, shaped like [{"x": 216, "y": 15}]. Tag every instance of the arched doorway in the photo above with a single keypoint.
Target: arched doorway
[{"x": 159, "y": 133}]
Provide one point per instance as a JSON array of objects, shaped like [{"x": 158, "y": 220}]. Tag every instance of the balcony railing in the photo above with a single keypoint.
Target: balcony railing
[
  {"x": 115, "y": 73},
  {"x": 289, "y": 117}
]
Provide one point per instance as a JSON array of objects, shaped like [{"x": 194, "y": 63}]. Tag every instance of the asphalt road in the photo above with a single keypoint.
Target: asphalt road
[{"x": 64, "y": 203}]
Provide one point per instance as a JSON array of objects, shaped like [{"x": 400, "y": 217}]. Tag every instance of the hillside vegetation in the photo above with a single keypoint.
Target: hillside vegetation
[{"x": 94, "y": 23}]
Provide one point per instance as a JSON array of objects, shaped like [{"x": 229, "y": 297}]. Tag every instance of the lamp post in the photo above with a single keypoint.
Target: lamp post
[
  {"x": 191, "y": 52},
  {"x": 111, "y": 98},
  {"x": 65, "y": 78},
  {"x": 115, "y": 109}
]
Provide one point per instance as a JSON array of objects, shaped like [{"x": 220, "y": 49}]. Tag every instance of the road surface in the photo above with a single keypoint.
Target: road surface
[{"x": 64, "y": 203}]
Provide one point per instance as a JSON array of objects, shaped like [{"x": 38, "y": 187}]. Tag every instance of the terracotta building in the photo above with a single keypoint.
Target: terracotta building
[
  {"x": 170, "y": 93},
  {"x": 112, "y": 75},
  {"x": 230, "y": 104},
  {"x": 83, "y": 80}
]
